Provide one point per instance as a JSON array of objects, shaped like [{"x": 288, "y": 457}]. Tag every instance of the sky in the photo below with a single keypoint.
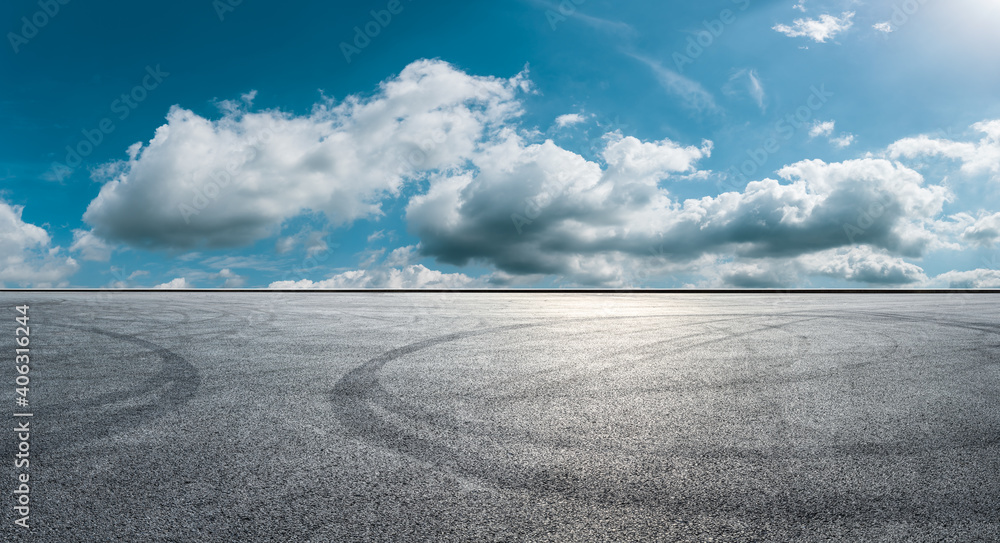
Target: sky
[{"x": 513, "y": 144}]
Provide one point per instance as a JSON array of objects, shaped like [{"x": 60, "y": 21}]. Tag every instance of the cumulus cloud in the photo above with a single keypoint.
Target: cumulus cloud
[
  {"x": 981, "y": 231},
  {"x": 755, "y": 275},
  {"x": 978, "y": 278},
  {"x": 825, "y": 128},
  {"x": 410, "y": 277},
  {"x": 27, "y": 257},
  {"x": 565, "y": 199},
  {"x": 491, "y": 194},
  {"x": 569, "y": 119},
  {"x": 862, "y": 265},
  {"x": 540, "y": 209},
  {"x": 884, "y": 27},
  {"x": 976, "y": 157},
  {"x": 818, "y": 30},
  {"x": 402, "y": 256},
  {"x": 842, "y": 141},
  {"x": 177, "y": 283},
  {"x": 822, "y": 128},
  {"x": 90, "y": 246},
  {"x": 231, "y": 279},
  {"x": 234, "y": 180}
]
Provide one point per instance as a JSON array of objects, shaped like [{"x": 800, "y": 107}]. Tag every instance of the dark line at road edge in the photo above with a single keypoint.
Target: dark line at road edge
[{"x": 528, "y": 291}]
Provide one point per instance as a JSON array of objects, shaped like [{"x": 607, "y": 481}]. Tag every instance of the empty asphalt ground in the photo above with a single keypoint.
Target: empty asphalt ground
[{"x": 508, "y": 417}]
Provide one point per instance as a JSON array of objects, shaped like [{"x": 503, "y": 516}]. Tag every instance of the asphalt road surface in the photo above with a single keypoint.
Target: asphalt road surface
[{"x": 321, "y": 417}]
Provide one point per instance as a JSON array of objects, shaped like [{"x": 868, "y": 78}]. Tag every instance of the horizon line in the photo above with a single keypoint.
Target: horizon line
[{"x": 531, "y": 290}]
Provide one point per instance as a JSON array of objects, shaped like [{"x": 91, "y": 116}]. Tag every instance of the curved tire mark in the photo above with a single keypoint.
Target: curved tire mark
[{"x": 177, "y": 382}]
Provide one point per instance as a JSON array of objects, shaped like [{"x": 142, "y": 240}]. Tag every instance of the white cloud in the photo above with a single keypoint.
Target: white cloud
[
  {"x": 885, "y": 27},
  {"x": 801, "y": 6},
  {"x": 981, "y": 231},
  {"x": 643, "y": 161},
  {"x": 232, "y": 280},
  {"x": 539, "y": 209},
  {"x": 978, "y": 278},
  {"x": 177, "y": 283},
  {"x": 851, "y": 264},
  {"x": 976, "y": 157},
  {"x": 842, "y": 141},
  {"x": 90, "y": 246},
  {"x": 825, "y": 128},
  {"x": 569, "y": 119},
  {"x": 495, "y": 196},
  {"x": 402, "y": 256},
  {"x": 821, "y": 128},
  {"x": 758, "y": 274},
  {"x": 409, "y": 277},
  {"x": 27, "y": 257},
  {"x": 862, "y": 265},
  {"x": 818, "y": 30},
  {"x": 231, "y": 181}
]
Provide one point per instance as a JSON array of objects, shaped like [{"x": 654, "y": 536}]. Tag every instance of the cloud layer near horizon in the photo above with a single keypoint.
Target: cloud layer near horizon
[{"x": 488, "y": 193}]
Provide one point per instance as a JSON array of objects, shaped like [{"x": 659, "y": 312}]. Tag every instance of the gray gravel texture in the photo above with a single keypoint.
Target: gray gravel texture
[{"x": 316, "y": 417}]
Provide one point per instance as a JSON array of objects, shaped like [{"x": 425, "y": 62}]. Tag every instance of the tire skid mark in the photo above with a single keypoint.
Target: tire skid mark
[
  {"x": 177, "y": 381},
  {"x": 979, "y": 327},
  {"x": 360, "y": 403},
  {"x": 727, "y": 334},
  {"x": 356, "y": 395},
  {"x": 390, "y": 403},
  {"x": 353, "y": 395}
]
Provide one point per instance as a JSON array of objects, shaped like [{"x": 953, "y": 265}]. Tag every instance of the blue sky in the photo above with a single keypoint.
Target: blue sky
[{"x": 733, "y": 143}]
